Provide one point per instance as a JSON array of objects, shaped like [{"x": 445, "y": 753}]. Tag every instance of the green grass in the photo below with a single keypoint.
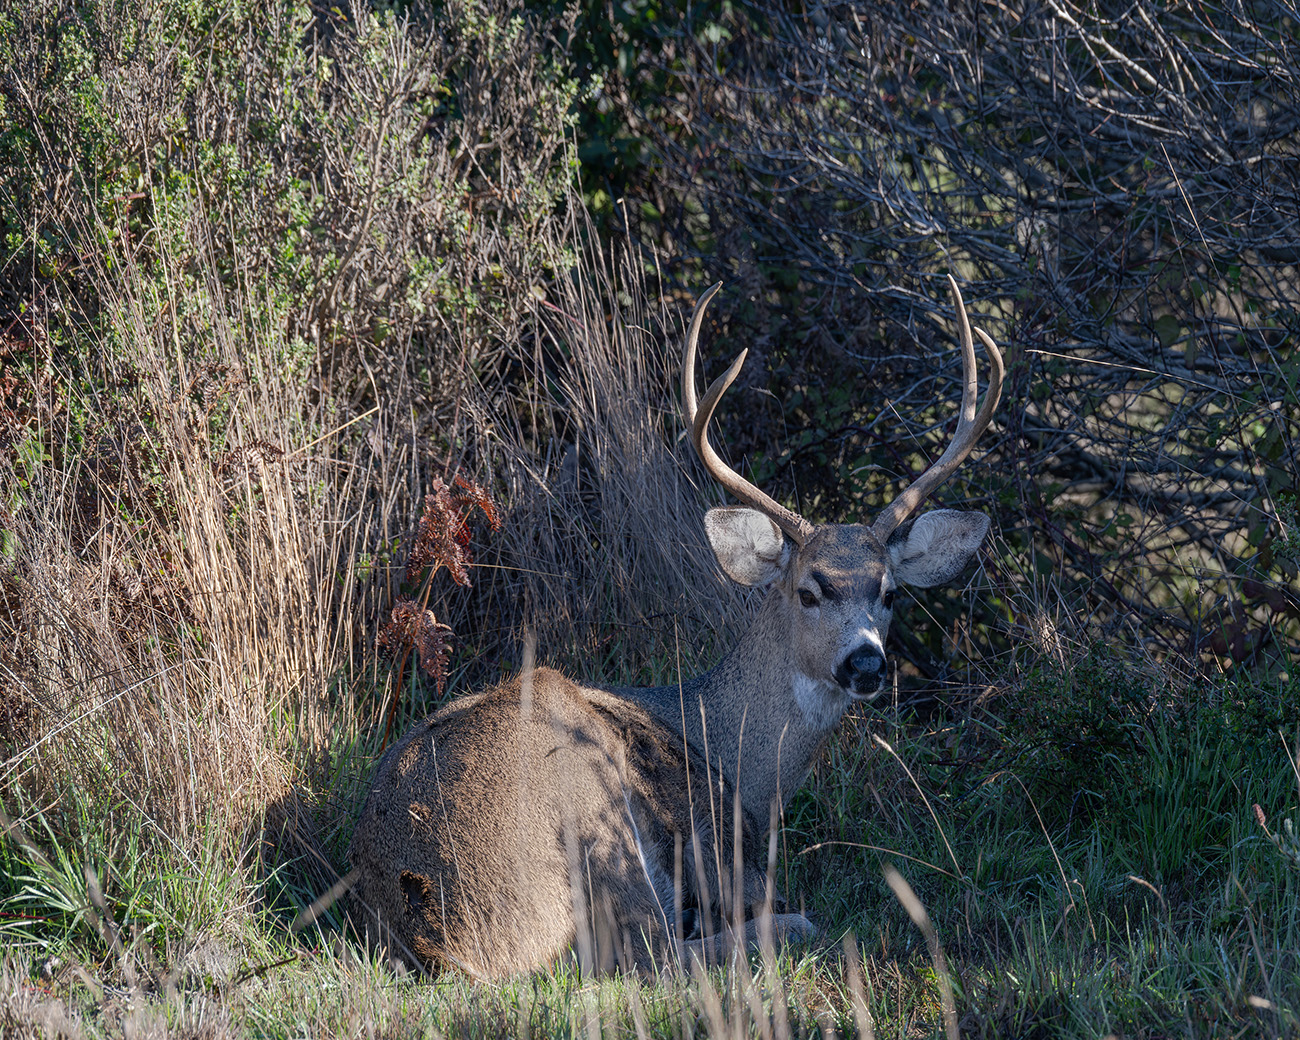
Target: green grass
[{"x": 1171, "y": 909}]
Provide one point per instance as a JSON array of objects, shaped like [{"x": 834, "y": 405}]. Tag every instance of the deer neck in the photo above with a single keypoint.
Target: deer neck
[{"x": 760, "y": 722}]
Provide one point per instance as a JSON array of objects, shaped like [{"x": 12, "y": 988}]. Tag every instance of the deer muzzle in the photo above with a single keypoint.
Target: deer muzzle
[{"x": 863, "y": 671}]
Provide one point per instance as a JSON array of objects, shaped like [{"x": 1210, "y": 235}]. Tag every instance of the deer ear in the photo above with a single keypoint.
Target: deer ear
[
  {"x": 750, "y": 548},
  {"x": 936, "y": 547}
]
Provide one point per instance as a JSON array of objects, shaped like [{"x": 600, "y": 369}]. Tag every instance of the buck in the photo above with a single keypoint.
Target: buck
[{"x": 546, "y": 818}]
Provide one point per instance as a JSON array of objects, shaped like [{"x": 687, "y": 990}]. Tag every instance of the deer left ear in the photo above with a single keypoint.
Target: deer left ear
[{"x": 936, "y": 546}]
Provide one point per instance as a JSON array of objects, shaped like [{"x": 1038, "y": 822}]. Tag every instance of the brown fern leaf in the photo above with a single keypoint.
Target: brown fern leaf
[
  {"x": 476, "y": 496},
  {"x": 442, "y": 536},
  {"x": 246, "y": 456},
  {"x": 420, "y": 630}
]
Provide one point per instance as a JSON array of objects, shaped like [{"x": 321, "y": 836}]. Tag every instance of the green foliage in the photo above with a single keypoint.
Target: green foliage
[
  {"x": 1068, "y": 915},
  {"x": 1163, "y": 767},
  {"x": 631, "y": 66},
  {"x": 42, "y": 897},
  {"x": 1075, "y": 729},
  {"x": 90, "y": 876},
  {"x": 383, "y": 183},
  {"x": 1286, "y": 841}
]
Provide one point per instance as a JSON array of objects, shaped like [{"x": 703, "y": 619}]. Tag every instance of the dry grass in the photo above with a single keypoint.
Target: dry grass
[
  {"x": 605, "y": 556},
  {"x": 203, "y": 556}
]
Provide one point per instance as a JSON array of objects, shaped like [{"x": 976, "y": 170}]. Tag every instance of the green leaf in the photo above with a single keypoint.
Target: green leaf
[{"x": 1168, "y": 330}]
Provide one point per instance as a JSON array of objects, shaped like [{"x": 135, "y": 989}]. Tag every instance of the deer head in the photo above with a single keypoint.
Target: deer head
[{"x": 832, "y": 586}]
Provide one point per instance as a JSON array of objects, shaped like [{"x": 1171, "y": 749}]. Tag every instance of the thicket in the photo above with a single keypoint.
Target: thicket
[
  {"x": 270, "y": 273},
  {"x": 379, "y": 179},
  {"x": 1116, "y": 186}
]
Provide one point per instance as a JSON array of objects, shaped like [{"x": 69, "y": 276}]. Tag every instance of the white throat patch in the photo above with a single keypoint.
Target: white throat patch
[{"x": 821, "y": 701}]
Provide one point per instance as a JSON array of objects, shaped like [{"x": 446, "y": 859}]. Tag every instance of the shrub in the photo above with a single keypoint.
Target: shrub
[{"x": 376, "y": 180}]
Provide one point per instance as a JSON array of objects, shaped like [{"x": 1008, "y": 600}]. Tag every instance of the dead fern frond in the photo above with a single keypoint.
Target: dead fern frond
[
  {"x": 441, "y": 541},
  {"x": 234, "y": 461},
  {"x": 475, "y": 496},
  {"x": 415, "y": 627},
  {"x": 442, "y": 536}
]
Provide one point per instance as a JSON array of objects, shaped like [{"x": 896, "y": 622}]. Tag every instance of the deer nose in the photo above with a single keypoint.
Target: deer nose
[{"x": 863, "y": 671}]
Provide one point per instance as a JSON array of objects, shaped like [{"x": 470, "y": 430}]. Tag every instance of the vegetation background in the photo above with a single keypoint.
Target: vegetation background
[{"x": 271, "y": 269}]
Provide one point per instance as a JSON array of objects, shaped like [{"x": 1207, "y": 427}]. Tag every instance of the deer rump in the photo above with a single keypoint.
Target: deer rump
[{"x": 542, "y": 817}]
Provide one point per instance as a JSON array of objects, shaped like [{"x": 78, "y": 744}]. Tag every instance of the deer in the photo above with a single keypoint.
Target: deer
[{"x": 547, "y": 818}]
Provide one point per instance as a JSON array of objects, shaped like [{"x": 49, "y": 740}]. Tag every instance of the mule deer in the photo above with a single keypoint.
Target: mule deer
[{"x": 544, "y": 814}]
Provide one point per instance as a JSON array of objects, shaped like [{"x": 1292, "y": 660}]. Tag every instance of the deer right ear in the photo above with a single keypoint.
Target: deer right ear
[{"x": 750, "y": 548}]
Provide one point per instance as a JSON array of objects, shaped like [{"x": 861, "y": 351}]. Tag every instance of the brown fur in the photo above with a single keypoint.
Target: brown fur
[{"x": 515, "y": 823}]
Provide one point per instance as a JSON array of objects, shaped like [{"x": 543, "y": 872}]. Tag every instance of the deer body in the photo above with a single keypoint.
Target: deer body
[{"x": 516, "y": 824}]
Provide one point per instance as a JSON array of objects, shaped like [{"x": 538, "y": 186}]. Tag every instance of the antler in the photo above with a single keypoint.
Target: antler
[
  {"x": 969, "y": 427},
  {"x": 796, "y": 527}
]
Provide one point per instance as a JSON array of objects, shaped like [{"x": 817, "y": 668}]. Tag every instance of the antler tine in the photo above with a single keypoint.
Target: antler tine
[
  {"x": 697, "y": 418},
  {"x": 969, "y": 427}
]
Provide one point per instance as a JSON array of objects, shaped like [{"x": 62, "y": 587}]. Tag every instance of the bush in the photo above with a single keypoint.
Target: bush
[{"x": 377, "y": 181}]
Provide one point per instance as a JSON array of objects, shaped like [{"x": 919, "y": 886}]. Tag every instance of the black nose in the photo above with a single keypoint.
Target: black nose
[{"x": 863, "y": 671}]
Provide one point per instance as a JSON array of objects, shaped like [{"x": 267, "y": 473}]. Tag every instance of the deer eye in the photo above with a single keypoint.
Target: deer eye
[
  {"x": 888, "y": 600},
  {"x": 807, "y": 598}
]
